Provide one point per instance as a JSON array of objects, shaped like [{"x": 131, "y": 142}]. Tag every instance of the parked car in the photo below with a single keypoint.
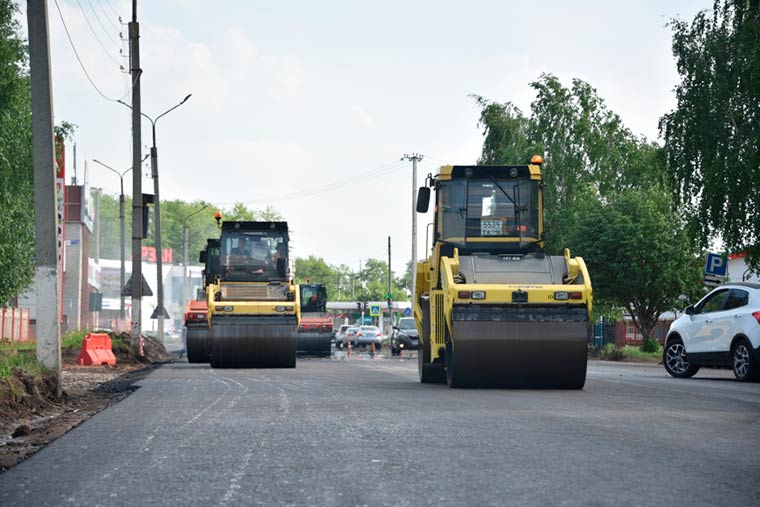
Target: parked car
[
  {"x": 404, "y": 336},
  {"x": 367, "y": 335},
  {"x": 350, "y": 336},
  {"x": 339, "y": 334},
  {"x": 721, "y": 331}
]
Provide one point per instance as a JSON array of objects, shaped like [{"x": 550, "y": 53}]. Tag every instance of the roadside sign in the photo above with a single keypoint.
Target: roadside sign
[
  {"x": 407, "y": 312},
  {"x": 367, "y": 319},
  {"x": 127, "y": 290},
  {"x": 716, "y": 264},
  {"x": 374, "y": 310},
  {"x": 712, "y": 281}
]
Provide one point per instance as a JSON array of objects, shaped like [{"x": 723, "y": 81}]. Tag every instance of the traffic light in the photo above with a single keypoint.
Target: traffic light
[
  {"x": 390, "y": 301},
  {"x": 358, "y": 306}
]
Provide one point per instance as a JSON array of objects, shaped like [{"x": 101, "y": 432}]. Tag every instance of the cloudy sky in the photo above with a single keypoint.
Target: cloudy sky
[{"x": 308, "y": 106}]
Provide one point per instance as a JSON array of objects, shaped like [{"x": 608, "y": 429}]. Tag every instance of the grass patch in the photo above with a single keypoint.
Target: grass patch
[
  {"x": 73, "y": 339},
  {"x": 25, "y": 359},
  {"x": 628, "y": 353}
]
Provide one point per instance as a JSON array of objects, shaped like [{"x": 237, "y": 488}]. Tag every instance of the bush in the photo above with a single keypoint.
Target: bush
[{"x": 650, "y": 346}]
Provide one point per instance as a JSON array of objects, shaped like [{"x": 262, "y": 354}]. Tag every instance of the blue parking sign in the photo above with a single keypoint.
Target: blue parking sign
[{"x": 716, "y": 264}]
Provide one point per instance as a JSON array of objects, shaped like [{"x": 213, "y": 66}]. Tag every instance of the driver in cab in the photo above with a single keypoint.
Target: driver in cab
[{"x": 240, "y": 250}]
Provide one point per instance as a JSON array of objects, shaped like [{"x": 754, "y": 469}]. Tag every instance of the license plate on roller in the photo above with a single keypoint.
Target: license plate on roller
[{"x": 491, "y": 228}]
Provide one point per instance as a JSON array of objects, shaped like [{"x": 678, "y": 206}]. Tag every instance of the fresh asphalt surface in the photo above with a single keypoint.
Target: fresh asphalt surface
[{"x": 365, "y": 432}]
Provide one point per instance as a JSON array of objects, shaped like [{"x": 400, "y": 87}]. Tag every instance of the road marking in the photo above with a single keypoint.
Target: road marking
[{"x": 236, "y": 477}]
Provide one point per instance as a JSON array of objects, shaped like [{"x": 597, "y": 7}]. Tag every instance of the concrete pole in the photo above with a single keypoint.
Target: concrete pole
[
  {"x": 97, "y": 225},
  {"x": 45, "y": 214},
  {"x": 160, "y": 312},
  {"x": 186, "y": 283},
  {"x": 135, "y": 73},
  {"x": 122, "y": 252},
  {"x": 414, "y": 157}
]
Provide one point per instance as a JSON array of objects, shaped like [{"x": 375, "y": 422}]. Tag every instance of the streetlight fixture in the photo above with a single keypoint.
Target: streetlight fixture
[
  {"x": 122, "y": 239},
  {"x": 186, "y": 235},
  {"x": 160, "y": 311}
]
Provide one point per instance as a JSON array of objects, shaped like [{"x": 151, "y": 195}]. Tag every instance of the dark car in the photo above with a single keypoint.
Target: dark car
[{"x": 404, "y": 336}]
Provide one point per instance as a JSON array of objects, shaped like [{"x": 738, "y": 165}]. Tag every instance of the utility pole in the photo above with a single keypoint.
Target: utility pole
[
  {"x": 97, "y": 226},
  {"x": 414, "y": 157},
  {"x": 46, "y": 224},
  {"x": 137, "y": 210},
  {"x": 122, "y": 228},
  {"x": 160, "y": 311},
  {"x": 390, "y": 292}
]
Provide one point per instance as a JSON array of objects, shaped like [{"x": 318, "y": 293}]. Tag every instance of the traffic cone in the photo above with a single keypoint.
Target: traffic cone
[{"x": 349, "y": 349}]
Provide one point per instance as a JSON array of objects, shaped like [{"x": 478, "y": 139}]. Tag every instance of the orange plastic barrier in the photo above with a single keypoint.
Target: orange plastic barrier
[{"x": 96, "y": 349}]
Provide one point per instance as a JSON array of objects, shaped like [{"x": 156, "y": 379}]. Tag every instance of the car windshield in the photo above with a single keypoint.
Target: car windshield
[
  {"x": 370, "y": 328},
  {"x": 407, "y": 324}
]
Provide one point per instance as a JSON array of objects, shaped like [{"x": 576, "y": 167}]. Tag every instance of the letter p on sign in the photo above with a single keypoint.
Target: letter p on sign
[{"x": 716, "y": 265}]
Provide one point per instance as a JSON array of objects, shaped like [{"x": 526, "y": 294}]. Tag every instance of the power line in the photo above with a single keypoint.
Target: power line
[
  {"x": 96, "y": 35},
  {"x": 108, "y": 17},
  {"x": 81, "y": 65},
  {"x": 112, "y": 9},
  {"x": 327, "y": 187},
  {"x": 101, "y": 24}
]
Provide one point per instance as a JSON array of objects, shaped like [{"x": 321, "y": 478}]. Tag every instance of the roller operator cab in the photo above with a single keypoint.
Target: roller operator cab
[
  {"x": 253, "y": 305},
  {"x": 491, "y": 307},
  {"x": 315, "y": 331},
  {"x": 197, "y": 333}
]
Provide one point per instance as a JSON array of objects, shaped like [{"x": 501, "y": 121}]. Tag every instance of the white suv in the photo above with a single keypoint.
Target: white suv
[{"x": 721, "y": 331}]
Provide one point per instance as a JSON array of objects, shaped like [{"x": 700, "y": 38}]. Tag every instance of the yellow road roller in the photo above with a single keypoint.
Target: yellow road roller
[
  {"x": 492, "y": 308},
  {"x": 253, "y": 306}
]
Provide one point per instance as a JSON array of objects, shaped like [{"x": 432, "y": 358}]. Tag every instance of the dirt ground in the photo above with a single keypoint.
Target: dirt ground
[{"x": 31, "y": 416}]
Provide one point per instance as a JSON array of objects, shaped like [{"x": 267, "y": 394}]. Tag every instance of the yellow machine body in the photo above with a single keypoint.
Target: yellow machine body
[
  {"x": 492, "y": 309},
  {"x": 253, "y": 305}
]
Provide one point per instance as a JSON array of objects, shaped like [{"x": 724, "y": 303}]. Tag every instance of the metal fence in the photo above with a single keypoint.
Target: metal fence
[{"x": 14, "y": 324}]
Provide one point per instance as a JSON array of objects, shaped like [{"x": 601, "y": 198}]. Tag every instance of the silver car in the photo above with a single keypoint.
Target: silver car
[{"x": 368, "y": 335}]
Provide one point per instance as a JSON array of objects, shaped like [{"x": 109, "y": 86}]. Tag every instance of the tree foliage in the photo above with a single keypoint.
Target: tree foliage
[
  {"x": 588, "y": 153},
  {"x": 594, "y": 167},
  {"x": 712, "y": 137},
  {"x": 16, "y": 177},
  {"x": 637, "y": 253}
]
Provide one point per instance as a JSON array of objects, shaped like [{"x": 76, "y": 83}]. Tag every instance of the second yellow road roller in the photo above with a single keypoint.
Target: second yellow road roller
[{"x": 253, "y": 306}]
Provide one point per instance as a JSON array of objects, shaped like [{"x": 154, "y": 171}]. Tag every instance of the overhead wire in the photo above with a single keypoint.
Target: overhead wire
[
  {"x": 112, "y": 9},
  {"x": 81, "y": 64},
  {"x": 92, "y": 30},
  {"x": 97, "y": 18},
  {"x": 108, "y": 16},
  {"x": 327, "y": 187}
]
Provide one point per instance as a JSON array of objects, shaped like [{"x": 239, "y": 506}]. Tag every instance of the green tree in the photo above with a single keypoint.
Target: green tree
[
  {"x": 711, "y": 137},
  {"x": 318, "y": 272},
  {"x": 506, "y": 133},
  {"x": 16, "y": 178},
  {"x": 637, "y": 252},
  {"x": 588, "y": 152}
]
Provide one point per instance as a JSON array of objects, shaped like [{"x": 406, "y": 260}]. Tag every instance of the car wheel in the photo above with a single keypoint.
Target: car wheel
[
  {"x": 742, "y": 361},
  {"x": 675, "y": 361}
]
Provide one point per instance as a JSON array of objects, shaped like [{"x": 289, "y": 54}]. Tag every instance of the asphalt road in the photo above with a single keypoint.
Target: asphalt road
[{"x": 365, "y": 432}]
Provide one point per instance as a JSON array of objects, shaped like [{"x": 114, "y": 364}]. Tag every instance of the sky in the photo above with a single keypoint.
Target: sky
[{"x": 308, "y": 107}]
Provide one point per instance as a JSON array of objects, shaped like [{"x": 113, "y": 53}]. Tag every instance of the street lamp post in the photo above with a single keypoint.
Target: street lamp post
[
  {"x": 160, "y": 311},
  {"x": 186, "y": 235},
  {"x": 122, "y": 240}
]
